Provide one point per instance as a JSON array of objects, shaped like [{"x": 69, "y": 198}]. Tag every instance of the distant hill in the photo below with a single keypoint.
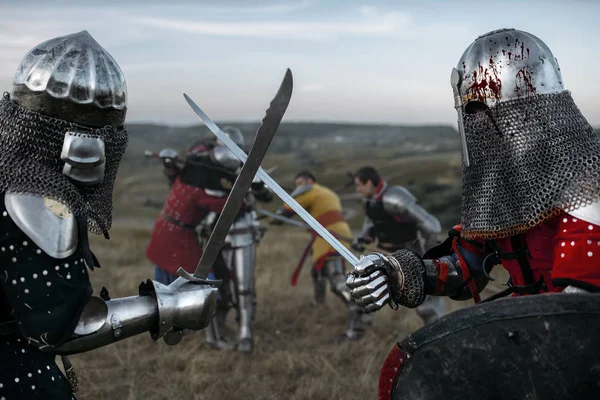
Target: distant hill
[{"x": 293, "y": 136}]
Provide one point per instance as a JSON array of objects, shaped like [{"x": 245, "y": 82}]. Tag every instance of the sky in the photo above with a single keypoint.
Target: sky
[{"x": 353, "y": 61}]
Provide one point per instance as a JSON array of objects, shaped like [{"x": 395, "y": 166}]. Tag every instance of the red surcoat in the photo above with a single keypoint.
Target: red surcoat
[{"x": 174, "y": 242}]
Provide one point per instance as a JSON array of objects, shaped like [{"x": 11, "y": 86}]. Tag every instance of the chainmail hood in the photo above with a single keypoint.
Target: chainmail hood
[
  {"x": 531, "y": 159},
  {"x": 30, "y": 149}
]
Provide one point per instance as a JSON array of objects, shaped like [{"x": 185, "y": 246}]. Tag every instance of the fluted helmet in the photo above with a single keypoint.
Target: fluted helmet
[{"x": 72, "y": 78}]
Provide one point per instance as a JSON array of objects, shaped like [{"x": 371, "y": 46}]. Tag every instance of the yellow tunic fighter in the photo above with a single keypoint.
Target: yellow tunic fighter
[{"x": 325, "y": 206}]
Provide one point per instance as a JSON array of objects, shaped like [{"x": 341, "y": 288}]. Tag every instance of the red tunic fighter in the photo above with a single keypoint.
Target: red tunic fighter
[
  {"x": 531, "y": 190},
  {"x": 199, "y": 189},
  {"x": 198, "y": 194}
]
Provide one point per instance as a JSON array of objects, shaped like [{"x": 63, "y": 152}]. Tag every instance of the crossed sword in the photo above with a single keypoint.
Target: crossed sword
[{"x": 250, "y": 169}]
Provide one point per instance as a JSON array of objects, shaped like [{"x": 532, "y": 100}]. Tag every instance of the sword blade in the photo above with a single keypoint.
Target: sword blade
[
  {"x": 263, "y": 139},
  {"x": 274, "y": 186},
  {"x": 281, "y": 218}
]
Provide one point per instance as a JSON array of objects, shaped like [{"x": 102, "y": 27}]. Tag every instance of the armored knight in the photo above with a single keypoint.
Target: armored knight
[
  {"x": 198, "y": 194},
  {"x": 62, "y": 137},
  {"x": 395, "y": 219},
  {"x": 531, "y": 191}
]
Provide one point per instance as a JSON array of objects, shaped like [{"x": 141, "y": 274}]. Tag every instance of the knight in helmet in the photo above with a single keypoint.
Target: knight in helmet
[
  {"x": 531, "y": 188},
  {"x": 199, "y": 190},
  {"x": 395, "y": 219},
  {"x": 62, "y": 137}
]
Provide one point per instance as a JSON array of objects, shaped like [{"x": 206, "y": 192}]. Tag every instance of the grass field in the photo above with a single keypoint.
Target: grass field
[{"x": 294, "y": 356}]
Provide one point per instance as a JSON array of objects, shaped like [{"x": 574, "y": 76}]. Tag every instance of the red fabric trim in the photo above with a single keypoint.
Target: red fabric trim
[
  {"x": 466, "y": 274},
  {"x": 442, "y": 270},
  {"x": 321, "y": 261},
  {"x": 472, "y": 249},
  {"x": 298, "y": 268},
  {"x": 389, "y": 372},
  {"x": 330, "y": 218},
  {"x": 380, "y": 189}
]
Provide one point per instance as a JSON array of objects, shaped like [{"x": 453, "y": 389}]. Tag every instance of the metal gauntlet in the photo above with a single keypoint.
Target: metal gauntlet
[
  {"x": 398, "y": 279},
  {"x": 164, "y": 311}
]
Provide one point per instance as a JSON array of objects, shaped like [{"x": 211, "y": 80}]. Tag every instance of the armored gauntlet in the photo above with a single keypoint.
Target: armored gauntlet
[{"x": 398, "y": 279}]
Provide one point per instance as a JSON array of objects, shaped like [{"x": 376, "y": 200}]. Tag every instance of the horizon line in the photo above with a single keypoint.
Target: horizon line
[{"x": 328, "y": 122}]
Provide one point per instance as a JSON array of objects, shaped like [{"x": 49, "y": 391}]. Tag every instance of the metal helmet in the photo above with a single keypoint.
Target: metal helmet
[
  {"x": 235, "y": 134},
  {"x": 500, "y": 66},
  {"x": 72, "y": 78},
  {"x": 62, "y": 132},
  {"x": 221, "y": 155},
  {"x": 529, "y": 154}
]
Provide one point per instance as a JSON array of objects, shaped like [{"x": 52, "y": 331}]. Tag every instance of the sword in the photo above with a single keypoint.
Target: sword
[
  {"x": 274, "y": 186},
  {"x": 252, "y": 162},
  {"x": 281, "y": 218},
  {"x": 304, "y": 225}
]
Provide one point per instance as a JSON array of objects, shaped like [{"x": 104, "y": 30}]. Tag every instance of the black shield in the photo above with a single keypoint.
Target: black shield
[{"x": 530, "y": 347}]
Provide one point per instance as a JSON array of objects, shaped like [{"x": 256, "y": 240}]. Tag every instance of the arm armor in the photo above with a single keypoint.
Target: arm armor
[
  {"x": 439, "y": 274},
  {"x": 399, "y": 201},
  {"x": 162, "y": 310}
]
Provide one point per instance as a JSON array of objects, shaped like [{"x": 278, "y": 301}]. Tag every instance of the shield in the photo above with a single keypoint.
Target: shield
[{"x": 529, "y": 347}]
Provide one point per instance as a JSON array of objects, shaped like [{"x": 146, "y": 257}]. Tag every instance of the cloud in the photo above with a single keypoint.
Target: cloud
[
  {"x": 280, "y": 7},
  {"x": 384, "y": 24},
  {"x": 312, "y": 87},
  {"x": 230, "y": 6},
  {"x": 157, "y": 65}
]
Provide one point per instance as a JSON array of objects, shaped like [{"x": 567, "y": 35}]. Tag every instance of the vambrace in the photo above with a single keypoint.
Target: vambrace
[
  {"x": 164, "y": 311},
  {"x": 443, "y": 277},
  {"x": 440, "y": 277}
]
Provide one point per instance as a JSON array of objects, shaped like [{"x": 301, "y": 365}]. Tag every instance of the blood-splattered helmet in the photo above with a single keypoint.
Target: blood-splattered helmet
[
  {"x": 528, "y": 152},
  {"x": 500, "y": 66}
]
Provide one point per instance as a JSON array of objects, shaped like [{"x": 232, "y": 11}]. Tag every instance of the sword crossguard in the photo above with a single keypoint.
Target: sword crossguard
[{"x": 189, "y": 277}]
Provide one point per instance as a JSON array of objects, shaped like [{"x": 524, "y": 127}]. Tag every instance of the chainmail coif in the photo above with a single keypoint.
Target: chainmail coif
[
  {"x": 531, "y": 159},
  {"x": 30, "y": 148}
]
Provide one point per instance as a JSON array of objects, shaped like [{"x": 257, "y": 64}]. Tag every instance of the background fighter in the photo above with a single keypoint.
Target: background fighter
[{"x": 396, "y": 221}]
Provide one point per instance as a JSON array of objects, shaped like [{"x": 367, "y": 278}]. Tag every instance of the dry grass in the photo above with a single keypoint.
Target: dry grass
[{"x": 294, "y": 356}]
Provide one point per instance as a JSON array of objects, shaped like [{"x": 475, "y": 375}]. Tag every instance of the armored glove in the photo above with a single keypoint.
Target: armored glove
[
  {"x": 398, "y": 279},
  {"x": 358, "y": 243}
]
